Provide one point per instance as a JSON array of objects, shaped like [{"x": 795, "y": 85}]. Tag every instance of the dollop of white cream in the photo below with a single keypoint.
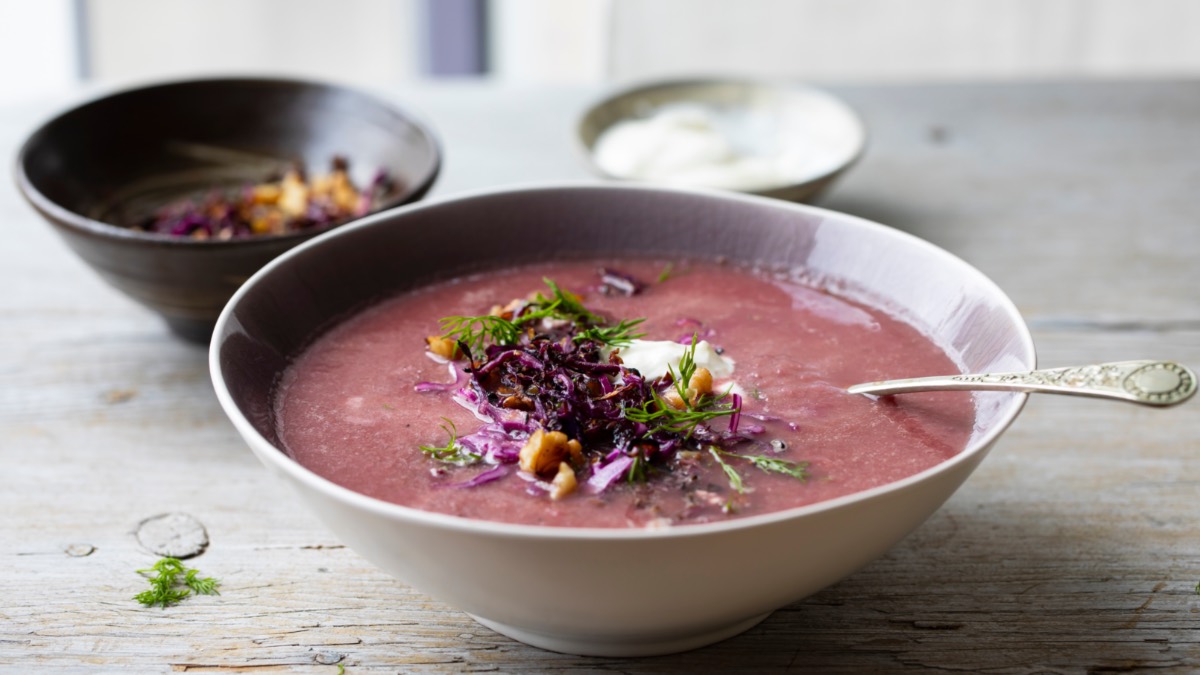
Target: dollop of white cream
[
  {"x": 651, "y": 358},
  {"x": 698, "y": 145}
]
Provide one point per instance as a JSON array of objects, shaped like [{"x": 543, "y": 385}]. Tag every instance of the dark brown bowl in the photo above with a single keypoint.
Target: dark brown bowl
[{"x": 110, "y": 161}]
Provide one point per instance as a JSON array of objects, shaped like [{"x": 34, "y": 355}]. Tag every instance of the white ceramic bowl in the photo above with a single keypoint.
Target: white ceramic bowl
[
  {"x": 604, "y": 591},
  {"x": 791, "y": 141}
]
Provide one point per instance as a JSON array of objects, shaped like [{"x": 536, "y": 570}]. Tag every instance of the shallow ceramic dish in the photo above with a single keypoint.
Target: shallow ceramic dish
[
  {"x": 825, "y": 136},
  {"x": 118, "y": 158},
  {"x": 558, "y": 588}
]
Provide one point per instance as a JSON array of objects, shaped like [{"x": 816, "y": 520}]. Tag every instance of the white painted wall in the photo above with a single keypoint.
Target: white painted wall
[
  {"x": 38, "y": 55},
  {"x": 892, "y": 40},
  {"x": 368, "y": 43},
  {"x": 374, "y": 43},
  {"x": 549, "y": 41}
]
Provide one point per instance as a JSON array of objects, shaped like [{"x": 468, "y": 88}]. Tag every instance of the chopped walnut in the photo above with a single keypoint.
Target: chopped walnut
[
  {"x": 699, "y": 385},
  {"x": 544, "y": 450},
  {"x": 267, "y": 193},
  {"x": 575, "y": 450},
  {"x": 508, "y": 311},
  {"x": 444, "y": 347},
  {"x": 564, "y": 482},
  {"x": 293, "y": 197},
  {"x": 517, "y": 402},
  {"x": 673, "y": 399}
]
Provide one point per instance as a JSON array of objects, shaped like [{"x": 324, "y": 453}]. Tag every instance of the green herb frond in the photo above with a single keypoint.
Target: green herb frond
[
  {"x": 797, "y": 470},
  {"x": 452, "y": 452},
  {"x": 662, "y": 416},
  {"x": 666, "y": 272},
  {"x": 767, "y": 464},
  {"x": 735, "y": 478},
  {"x": 567, "y": 304},
  {"x": 687, "y": 368},
  {"x": 619, "y": 335},
  {"x": 205, "y": 586},
  {"x": 637, "y": 470},
  {"x": 475, "y": 331},
  {"x": 166, "y": 588}
]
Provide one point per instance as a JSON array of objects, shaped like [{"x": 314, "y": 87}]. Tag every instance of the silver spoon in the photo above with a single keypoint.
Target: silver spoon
[{"x": 1158, "y": 383}]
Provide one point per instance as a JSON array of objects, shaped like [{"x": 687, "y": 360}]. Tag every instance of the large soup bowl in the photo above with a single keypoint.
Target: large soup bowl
[{"x": 614, "y": 591}]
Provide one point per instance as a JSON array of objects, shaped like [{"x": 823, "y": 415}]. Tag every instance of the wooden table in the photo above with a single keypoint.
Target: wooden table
[{"x": 1074, "y": 548}]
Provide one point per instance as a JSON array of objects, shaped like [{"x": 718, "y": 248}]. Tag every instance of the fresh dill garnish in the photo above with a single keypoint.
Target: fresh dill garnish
[
  {"x": 735, "y": 478},
  {"x": 205, "y": 586},
  {"x": 166, "y": 587},
  {"x": 666, "y": 272},
  {"x": 566, "y": 304},
  {"x": 637, "y": 470},
  {"x": 452, "y": 452},
  {"x": 662, "y": 416},
  {"x": 474, "y": 331},
  {"x": 619, "y": 335},
  {"x": 687, "y": 368},
  {"x": 341, "y": 669},
  {"x": 797, "y": 470}
]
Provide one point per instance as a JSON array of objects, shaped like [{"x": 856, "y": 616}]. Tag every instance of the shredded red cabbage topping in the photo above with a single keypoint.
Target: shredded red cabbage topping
[
  {"x": 290, "y": 204},
  {"x": 545, "y": 376}
]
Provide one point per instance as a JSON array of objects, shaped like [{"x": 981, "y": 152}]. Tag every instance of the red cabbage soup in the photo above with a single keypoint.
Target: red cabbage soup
[{"x": 632, "y": 393}]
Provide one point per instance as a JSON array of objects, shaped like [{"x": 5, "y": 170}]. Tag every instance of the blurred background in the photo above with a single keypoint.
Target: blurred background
[{"x": 49, "y": 46}]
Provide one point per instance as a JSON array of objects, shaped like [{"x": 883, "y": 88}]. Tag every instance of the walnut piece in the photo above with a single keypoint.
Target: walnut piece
[
  {"x": 444, "y": 347},
  {"x": 564, "y": 482},
  {"x": 699, "y": 385},
  {"x": 545, "y": 450},
  {"x": 293, "y": 196}
]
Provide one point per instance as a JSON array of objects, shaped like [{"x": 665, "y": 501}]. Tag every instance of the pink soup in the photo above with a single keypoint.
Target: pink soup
[{"x": 350, "y": 409}]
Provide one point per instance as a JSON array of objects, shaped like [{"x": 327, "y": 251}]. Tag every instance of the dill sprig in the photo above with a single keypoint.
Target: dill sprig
[
  {"x": 476, "y": 332},
  {"x": 619, "y": 335},
  {"x": 637, "y": 470},
  {"x": 166, "y": 587},
  {"x": 797, "y": 470},
  {"x": 452, "y": 452},
  {"x": 662, "y": 416},
  {"x": 566, "y": 305},
  {"x": 687, "y": 368},
  {"x": 666, "y": 272},
  {"x": 735, "y": 478}
]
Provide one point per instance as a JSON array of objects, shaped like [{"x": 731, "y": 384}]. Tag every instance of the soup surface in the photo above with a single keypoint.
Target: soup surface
[{"x": 353, "y": 409}]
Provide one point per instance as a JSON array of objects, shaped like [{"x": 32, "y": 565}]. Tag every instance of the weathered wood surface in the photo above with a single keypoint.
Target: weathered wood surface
[{"x": 1074, "y": 548}]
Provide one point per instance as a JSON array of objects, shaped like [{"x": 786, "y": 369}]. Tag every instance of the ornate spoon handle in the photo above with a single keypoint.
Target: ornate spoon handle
[{"x": 1159, "y": 383}]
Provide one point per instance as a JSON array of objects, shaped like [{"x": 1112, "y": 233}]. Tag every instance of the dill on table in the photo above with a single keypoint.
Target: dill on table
[{"x": 171, "y": 582}]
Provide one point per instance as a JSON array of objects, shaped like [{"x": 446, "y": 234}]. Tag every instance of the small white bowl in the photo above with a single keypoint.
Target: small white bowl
[
  {"x": 787, "y": 141},
  {"x": 614, "y": 592}
]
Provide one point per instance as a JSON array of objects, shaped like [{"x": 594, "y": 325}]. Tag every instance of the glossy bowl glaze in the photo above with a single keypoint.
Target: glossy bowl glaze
[
  {"x": 759, "y": 117},
  {"x": 95, "y": 168},
  {"x": 605, "y": 591}
]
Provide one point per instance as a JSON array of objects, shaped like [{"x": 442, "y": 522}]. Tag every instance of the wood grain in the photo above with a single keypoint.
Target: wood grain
[{"x": 1075, "y": 547}]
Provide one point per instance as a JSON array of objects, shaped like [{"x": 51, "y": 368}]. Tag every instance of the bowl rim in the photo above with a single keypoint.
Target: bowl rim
[
  {"x": 587, "y": 150},
  {"x": 277, "y": 459},
  {"x": 98, "y": 228}
]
